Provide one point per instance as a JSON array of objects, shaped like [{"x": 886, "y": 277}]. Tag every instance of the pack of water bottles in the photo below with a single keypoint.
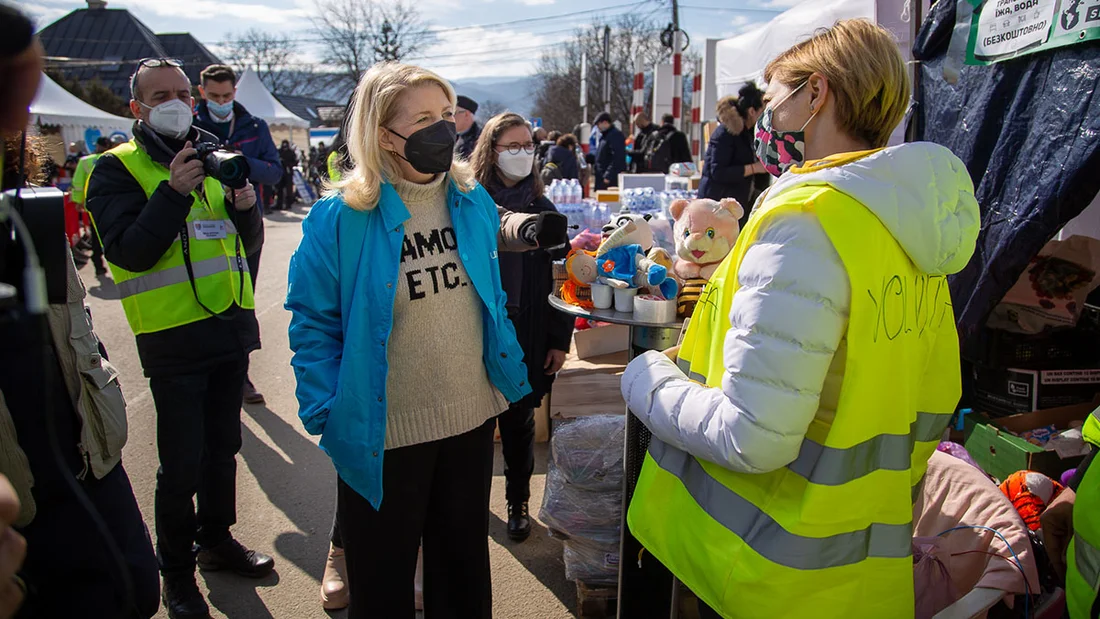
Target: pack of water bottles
[
  {"x": 565, "y": 191},
  {"x": 666, "y": 198},
  {"x": 640, "y": 200}
]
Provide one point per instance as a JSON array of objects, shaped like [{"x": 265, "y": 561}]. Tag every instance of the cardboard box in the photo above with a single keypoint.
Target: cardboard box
[
  {"x": 1017, "y": 390},
  {"x": 641, "y": 181},
  {"x": 608, "y": 195},
  {"x": 588, "y": 386},
  {"x": 994, "y": 445},
  {"x": 601, "y": 340}
]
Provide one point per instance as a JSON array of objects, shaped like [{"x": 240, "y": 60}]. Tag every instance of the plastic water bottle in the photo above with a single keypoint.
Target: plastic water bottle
[
  {"x": 574, "y": 191},
  {"x": 555, "y": 192}
]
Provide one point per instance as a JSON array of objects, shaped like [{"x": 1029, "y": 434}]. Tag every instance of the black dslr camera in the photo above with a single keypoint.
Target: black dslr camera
[{"x": 228, "y": 168}]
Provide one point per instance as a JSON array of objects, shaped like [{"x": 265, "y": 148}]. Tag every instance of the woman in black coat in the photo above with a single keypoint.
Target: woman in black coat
[
  {"x": 729, "y": 164},
  {"x": 504, "y": 162}
]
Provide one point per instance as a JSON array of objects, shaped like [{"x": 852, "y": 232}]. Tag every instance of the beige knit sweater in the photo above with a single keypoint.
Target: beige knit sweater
[{"x": 437, "y": 385}]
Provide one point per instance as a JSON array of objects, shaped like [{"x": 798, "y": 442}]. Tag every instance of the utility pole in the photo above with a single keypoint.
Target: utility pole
[
  {"x": 677, "y": 64},
  {"x": 607, "y": 69},
  {"x": 584, "y": 86}
]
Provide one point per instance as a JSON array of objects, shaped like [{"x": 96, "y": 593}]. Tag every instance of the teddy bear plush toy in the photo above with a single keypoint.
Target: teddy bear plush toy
[
  {"x": 705, "y": 232},
  {"x": 627, "y": 257}
]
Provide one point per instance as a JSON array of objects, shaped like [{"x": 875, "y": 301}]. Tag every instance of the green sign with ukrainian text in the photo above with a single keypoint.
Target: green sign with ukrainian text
[{"x": 1006, "y": 29}]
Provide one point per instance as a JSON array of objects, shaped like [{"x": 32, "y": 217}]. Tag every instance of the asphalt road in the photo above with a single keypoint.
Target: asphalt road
[{"x": 286, "y": 485}]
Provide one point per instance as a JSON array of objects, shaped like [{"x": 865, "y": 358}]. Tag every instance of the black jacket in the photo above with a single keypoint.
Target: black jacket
[
  {"x": 465, "y": 142},
  {"x": 528, "y": 281},
  {"x": 610, "y": 158},
  {"x": 565, "y": 159},
  {"x": 136, "y": 231},
  {"x": 724, "y": 168},
  {"x": 679, "y": 149},
  {"x": 639, "y": 149}
]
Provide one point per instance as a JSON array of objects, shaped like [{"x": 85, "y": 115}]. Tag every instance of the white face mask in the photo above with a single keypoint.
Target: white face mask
[
  {"x": 171, "y": 118},
  {"x": 516, "y": 167}
]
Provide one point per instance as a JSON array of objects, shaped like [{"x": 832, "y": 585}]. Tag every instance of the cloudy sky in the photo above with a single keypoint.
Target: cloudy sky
[{"x": 471, "y": 51}]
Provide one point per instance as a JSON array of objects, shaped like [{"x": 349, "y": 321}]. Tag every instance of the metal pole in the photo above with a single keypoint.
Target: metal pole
[
  {"x": 677, "y": 68},
  {"x": 584, "y": 87},
  {"x": 607, "y": 69},
  {"x": 639, "y": 90}
]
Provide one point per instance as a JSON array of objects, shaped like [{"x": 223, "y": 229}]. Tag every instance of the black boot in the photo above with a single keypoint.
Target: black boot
[
  {"x": 182, "y": 598},
  {"x": 230, "y": 555},
  {"x": 519, "y": 522}
]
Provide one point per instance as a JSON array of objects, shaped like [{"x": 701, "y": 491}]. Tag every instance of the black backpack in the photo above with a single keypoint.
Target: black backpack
[{"x": 658, "y": 157}]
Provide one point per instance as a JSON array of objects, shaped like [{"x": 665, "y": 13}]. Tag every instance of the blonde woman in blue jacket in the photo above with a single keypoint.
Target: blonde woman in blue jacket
[{"x": 403, "y": 350}]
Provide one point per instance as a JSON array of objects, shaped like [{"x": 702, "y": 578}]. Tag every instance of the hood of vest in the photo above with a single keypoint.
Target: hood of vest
[{"x": 921, "y": 192}]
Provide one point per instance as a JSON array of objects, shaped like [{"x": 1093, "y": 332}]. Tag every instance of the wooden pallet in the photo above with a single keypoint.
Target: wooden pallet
[{"x": 596, "y": 601}]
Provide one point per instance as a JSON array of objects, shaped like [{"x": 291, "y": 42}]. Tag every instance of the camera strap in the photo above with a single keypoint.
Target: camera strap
[{"x": 185, "y": 245}]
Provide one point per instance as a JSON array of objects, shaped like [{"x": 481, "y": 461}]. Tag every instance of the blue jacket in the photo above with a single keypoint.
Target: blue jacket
[
  {"x": 252, "y": 138},
  {"x": 343, "y": 279}
]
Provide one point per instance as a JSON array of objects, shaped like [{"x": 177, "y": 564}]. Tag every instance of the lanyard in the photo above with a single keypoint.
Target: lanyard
[{"x": 185, "y": 245}]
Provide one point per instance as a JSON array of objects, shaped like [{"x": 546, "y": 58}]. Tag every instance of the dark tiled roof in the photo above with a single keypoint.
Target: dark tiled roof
[
  {"x": 116, "y": 35},
  {"x": 187, "y": 48},
  {"x": 306, "y": 107}
]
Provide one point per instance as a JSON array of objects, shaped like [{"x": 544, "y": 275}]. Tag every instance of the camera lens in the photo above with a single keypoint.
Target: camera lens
[{"x": 232, "y": 173}]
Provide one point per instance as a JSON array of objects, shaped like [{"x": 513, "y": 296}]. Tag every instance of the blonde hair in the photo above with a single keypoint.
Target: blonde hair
[
  {"x": 725, "y": 106},
  {"x": 374, "y": 106},
  {"x": 866, "y": 74}
]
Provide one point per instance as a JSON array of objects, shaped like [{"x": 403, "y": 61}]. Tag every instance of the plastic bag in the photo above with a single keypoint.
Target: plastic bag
[
  {"x": 577, "y": 512},
  {"x": 588, "y": 451},
  {"x": 1052, "y": 290},
  {"x": 590, "y": 561},
  {"x": 931, "y": 582}
]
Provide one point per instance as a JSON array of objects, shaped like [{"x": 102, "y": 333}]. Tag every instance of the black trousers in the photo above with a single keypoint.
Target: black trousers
[
  {"x": 198, "y": 437},
  {"x": 438, "y": 492},
  {"x": 97, "y": 251},
  {"x": 517, "y": 443}
]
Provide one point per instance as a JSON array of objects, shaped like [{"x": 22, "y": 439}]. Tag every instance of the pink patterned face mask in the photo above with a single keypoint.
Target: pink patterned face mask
[{"x": 780, "y": 150}]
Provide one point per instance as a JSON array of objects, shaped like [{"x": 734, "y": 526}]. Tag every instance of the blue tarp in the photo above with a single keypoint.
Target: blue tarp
[{"x": 1028, "y": 131}]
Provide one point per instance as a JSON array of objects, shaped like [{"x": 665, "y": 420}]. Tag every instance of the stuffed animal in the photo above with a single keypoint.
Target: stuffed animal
[
  {"x": 705, "y": 232},
  {"x": 580, "y": 267},
  {"x": 628, "y": 229},
  {"x": 631, "y": 231},
  {"x": 628, "y": 266},
  {"x": 1030, "y": 493}
]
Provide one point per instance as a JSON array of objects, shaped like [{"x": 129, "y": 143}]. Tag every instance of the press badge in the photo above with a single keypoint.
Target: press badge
[{"x": 210, "y": 229}]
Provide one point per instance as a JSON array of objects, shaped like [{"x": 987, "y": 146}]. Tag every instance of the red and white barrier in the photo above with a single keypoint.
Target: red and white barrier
[
  {"x": 677, "y": 75},
  {"x": 696, "y": 113},
  {"x": 638, "y": 104}
]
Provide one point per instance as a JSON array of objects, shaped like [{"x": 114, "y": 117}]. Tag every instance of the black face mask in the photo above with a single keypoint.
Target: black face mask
[{"x": 430, "y": 150}]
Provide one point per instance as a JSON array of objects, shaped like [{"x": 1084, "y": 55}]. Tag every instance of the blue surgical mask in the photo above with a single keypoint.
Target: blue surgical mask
[{"x": 220, "y": 110}]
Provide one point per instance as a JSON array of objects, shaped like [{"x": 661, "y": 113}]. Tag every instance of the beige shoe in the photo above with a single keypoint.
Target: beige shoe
[{"x": 334, "y": 587}]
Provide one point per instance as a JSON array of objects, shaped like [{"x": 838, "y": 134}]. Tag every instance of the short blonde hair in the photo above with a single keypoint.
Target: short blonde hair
[
  {"x": 374, "y": 106},
  {"x": 866, "y": 74}
]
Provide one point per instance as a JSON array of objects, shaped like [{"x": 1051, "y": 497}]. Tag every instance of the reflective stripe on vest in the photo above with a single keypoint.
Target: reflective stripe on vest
[
  {"x": 165, "y": 297},
  {"x": 768, "y": 537},
  {"x": 835, "y": 524},
  {"x": 1083, "y": 556}
]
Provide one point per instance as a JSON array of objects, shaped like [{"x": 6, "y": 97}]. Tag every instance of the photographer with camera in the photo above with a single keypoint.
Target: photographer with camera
[
  {"x": 176, "y": 239},
  {"x": 220, "y": 113}
]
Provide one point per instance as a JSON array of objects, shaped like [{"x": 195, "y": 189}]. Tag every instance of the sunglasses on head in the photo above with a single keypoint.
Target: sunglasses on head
[{"x": 153, "y": 63}]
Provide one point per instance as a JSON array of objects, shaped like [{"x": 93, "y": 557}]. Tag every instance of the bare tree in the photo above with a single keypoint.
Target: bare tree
[
  {"x": 358, "y": 33},
  {"x": 274, "y": 59},
  {"x": 491, "y": 108},
  {"x": 557, "y": 99},
  {"x": 401, "y": 32}
]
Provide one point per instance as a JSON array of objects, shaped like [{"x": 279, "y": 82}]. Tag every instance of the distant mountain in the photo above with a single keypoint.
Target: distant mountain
[{"x": 514, "y": 94}]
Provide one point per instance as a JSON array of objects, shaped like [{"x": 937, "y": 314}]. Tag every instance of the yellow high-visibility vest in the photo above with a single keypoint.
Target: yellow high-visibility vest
[
  {"x": 196, "y": 278},
  {"x": 1083, "y": 557},
  {"x": 830, "y": 534}
]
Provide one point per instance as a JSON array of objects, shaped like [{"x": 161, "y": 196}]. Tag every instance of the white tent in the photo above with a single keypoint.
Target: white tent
[
  {"x": 55, "y": 106},
  {"x": 743, "y": 58},
  {"x": 254, "y": 96}
]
